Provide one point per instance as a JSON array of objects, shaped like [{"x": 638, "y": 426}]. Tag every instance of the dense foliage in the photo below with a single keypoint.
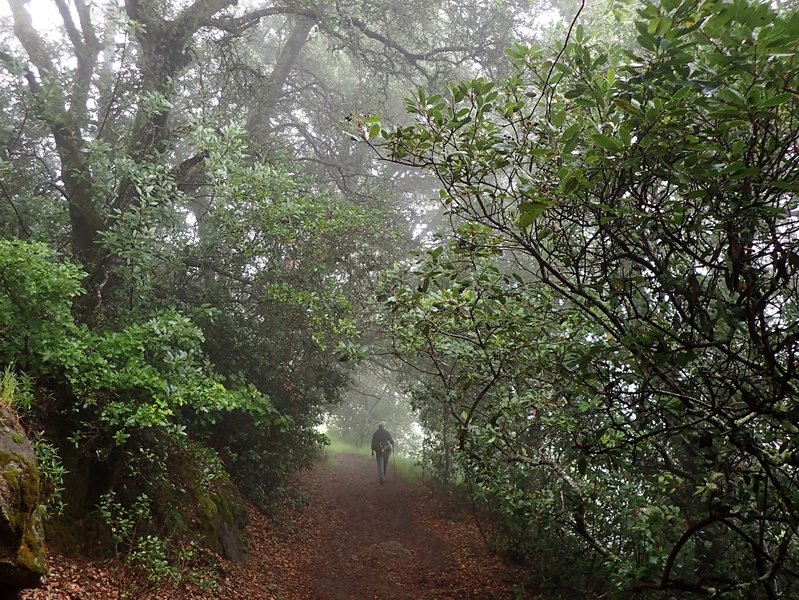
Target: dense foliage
[
  {"x": 604, "y": 347},
  {"x": 609, "y": 339},
  {"x": 188, "y": 241}
]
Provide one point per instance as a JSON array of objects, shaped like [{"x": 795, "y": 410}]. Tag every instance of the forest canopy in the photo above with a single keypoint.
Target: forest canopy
[
  {"x": 206, "y": 215},
  {"x": 189, "y": 242}
]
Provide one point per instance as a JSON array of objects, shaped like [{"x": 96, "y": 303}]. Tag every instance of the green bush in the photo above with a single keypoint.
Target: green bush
[
  {"x": 611, "y": 333},
  {"x": 36, "y": 295}
]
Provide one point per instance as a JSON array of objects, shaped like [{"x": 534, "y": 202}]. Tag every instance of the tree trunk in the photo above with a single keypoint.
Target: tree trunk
[{"x": 258, "y": 126}]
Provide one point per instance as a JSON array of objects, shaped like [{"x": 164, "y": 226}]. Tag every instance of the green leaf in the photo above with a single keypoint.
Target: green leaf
[
  {"x": 790, "y": 186},
  {"x": 627, "y": 107},
  {"x": 624, "y": 134},
  {"x": 607, "y": 142},
  {"x": 681, "y": 93},
  {"x": 571, "y": 184},
  {"x": 529, "y": 212},
  {"x": 570, "y": 132},
  {"x": 576, "y": 92},
  {"x": 777, "y": 100},
  {"x": 569, "y": 146}
]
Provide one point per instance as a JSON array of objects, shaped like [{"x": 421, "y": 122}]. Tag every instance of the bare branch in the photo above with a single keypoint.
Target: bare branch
[
  {"x": 32, "y": 42},
  {"x": 72, "y": 31},
  {"x": 411, "y": 57},
  {"x": 198, "y": 14},
  {"x": 86, "y": 24},
  {"x": 20, "y": 220},
  {"x": 258, "y": 123},
  {"x": 240, "y": 24}
]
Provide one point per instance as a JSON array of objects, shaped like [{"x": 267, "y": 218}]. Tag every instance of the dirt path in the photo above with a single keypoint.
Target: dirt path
[
  {"x": 399, "y": 541},
  {"x": 355, "y": 540}
]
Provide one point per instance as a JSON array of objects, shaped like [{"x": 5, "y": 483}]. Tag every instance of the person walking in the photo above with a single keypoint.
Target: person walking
[{"x": 382, "y": 446}]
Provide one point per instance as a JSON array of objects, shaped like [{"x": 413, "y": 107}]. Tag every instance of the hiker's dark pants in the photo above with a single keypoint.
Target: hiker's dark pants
[{"x": 382, "y": 464}]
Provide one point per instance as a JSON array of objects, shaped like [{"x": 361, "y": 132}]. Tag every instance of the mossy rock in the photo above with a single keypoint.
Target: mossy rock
[
  {"x": 222, "y": 516},
  {"x": 22, "y": 551},
  {"x": 214, "y": 508},
  {"x": 207, "y": 508}
]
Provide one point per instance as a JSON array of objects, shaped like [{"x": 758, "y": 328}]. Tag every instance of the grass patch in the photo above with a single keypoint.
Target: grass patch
[
  {"x": 338, "y": 446},
  {"x": 406, "y": 465}
]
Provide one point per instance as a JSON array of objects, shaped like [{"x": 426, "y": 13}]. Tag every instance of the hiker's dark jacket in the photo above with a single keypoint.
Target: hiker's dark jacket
[{"x": 382, "y": 442}]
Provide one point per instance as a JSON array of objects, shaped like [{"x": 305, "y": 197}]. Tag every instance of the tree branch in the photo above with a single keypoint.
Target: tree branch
[
  {"x": 85, "y": 49},
  {"x": 32, "y": 42},
  {"x": 20, "y": 220},
  {"x": 240, "y": 24},
  {"x": 197, "y": 15},
  {"x": 258, "y": 122},
  {"x": 411, "y": 57},
  {"x": 675, "y": 551},
  {"x": 84, "y": 218}
]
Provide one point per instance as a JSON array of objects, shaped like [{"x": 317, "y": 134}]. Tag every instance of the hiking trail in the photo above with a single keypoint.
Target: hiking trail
[{"x": 355, "y": 540}]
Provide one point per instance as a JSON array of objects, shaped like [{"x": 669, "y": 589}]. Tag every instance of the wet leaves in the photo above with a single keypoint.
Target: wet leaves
[{"x": 355, "y": 539}]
